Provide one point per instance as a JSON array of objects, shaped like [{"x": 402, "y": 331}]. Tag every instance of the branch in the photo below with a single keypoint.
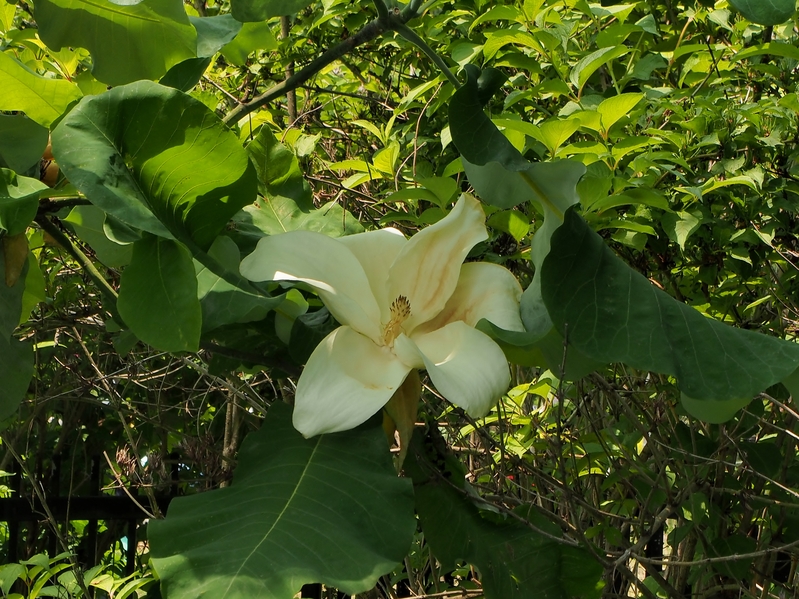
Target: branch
[{"x": 390, "y": 20}]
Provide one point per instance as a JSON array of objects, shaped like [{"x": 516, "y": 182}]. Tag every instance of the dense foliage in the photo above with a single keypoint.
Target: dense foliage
[{"x": 637, "y": 165}]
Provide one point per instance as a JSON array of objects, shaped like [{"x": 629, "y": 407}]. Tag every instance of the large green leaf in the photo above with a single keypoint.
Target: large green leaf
[
  {"x": 260, "y": 10},
  {"x": 514, "y": 560},
  {"x": 22, "y": 142},
  {"x": 329, "y": 509},
  {"x": 765, "y": 12},
  {"x": 16, "y": 371},
  {"x": 19, "y": 200},
  {"x": 16, "y": 357},
  {"x": 614, "y": 314},
  {"x": 41, "y": 98},
  {"x": 158, "y": 295},
  {"x": 128, "y": 40},
  {"x": 156, "y": 159},
  {"x": 87, "y": 222},
  {"x": 223, "y": 303}
]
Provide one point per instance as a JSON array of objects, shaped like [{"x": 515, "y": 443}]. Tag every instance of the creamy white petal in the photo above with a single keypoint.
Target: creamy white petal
[
  {"x": 347, "y": 379},
  {"x": 426, "y": 271},
  {"x": 326, "y": 265},
  {"x": 484, "y": 290},
  {"x": 376, "y": 251},
  {"x": 465, "y": 365}
]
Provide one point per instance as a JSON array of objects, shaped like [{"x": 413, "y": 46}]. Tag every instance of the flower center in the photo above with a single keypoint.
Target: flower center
[{"x": 400, "y": 311}]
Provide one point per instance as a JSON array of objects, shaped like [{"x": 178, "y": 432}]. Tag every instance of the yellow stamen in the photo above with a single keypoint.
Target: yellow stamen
[{"x": 400, "y": 311}]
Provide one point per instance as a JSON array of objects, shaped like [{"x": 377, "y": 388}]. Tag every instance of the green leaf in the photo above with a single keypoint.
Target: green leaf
[
  {"x": 613, "y": 109},
  {"x": 19, "y": 201},
  {"x": 679, "y": 226},
  {"x": 588, "y": 65},
  {"x": 158, "y": 295},
  {"x": 156, "y": 159},
  {"x": 281, "y": 214},
  {"x": 214, "y": 32},
  {"x": 22, "y": 142},
  {"x": 253, "y": 36},
  {"x": 713, "y": 411},
  {"x": 512, "y": 222},
  {"x": 329, "y": 509},
  {"x": 42, "y": 99},
  {"x": 614, "y": 314},
  {"x": 278, "y": 170},
  {"x": 260, "y": 10},
  {"x": 765, "y": 12},
  {"x": 221, "y": 302},
  {"x": 16, "y": 371},
  {"x": 732, "y": 547},
  {"x": 185, "y": 75},
  {"x": 128, "y": 40},
  {"x": 88, "y": 224},
  {"x": 515, "y": 561}
]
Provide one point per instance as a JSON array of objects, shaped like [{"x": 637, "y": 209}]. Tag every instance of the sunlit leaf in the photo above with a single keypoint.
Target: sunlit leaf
[
  {"x": 42, "y": 99},
  {"x": 329, "y": 509},
  {"x": 587, "y": 66},
  {"x": 87, "y": 222},
  {"x": 156, "y": 159},
  {"x": 127, "y": 40}
]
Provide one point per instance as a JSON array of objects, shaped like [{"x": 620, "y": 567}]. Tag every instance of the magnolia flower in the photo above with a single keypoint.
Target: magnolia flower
[{"x": 403, "y": 304}]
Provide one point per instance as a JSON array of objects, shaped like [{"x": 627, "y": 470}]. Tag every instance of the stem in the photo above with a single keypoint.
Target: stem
[
  {"x": 73, "y": 250},
  {"x": 410, "y": 35}
]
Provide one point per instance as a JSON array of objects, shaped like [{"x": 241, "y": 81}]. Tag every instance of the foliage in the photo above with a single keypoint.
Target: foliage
[{"x": 637, "y": 166}]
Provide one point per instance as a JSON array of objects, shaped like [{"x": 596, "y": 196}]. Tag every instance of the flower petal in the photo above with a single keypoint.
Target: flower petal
[
  {"x": 347, "y": 379},
  {"x": 465, "y": 365},
  {"x": 376, "y": 251},
  {"x": 426, "y": 271},
  {"x": 484, "y": 290},
  {"x": 326, "y": 265}
]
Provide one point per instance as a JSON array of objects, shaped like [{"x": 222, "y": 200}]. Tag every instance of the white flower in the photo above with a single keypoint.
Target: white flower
[{"x": 403, "y": 304}]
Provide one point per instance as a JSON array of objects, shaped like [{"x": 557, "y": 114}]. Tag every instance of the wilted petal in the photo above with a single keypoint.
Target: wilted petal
[
  {"x": 326, "y": 265},
  {"x": 465, "y": 365},
  {"x": 376, "y": 251},
  {"x": 426, "y": 271},
  {"x": 484, "y": 290},
  {"x": 347, "y": 379}
]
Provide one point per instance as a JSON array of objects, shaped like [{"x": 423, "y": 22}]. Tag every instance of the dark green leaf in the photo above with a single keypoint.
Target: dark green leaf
[
  {"x": 329, "y": 509},
  {"x": 730, "y": 547},
  {"x": 127, "y": 40},
  {"x": 514, "y": 561},
  {"x": 158, "y": 295},
  {"x": 16, "y": 371},
  {"x": 10, "y": 299},
  {"x": 156, "y": 159},
  {"x": 221, "y": 302},
  {"x": 19, "y": 200},
  {"x": 22, "y": 142},
  {"x": 765, "y": 12},
  {"x": 260, "y": 10},
  {"x": 613, "y": 314},
  {"x": 185, "y": 75},
  {"x": 307, "y": 332},
  {"x": 213, "y": 33}
]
